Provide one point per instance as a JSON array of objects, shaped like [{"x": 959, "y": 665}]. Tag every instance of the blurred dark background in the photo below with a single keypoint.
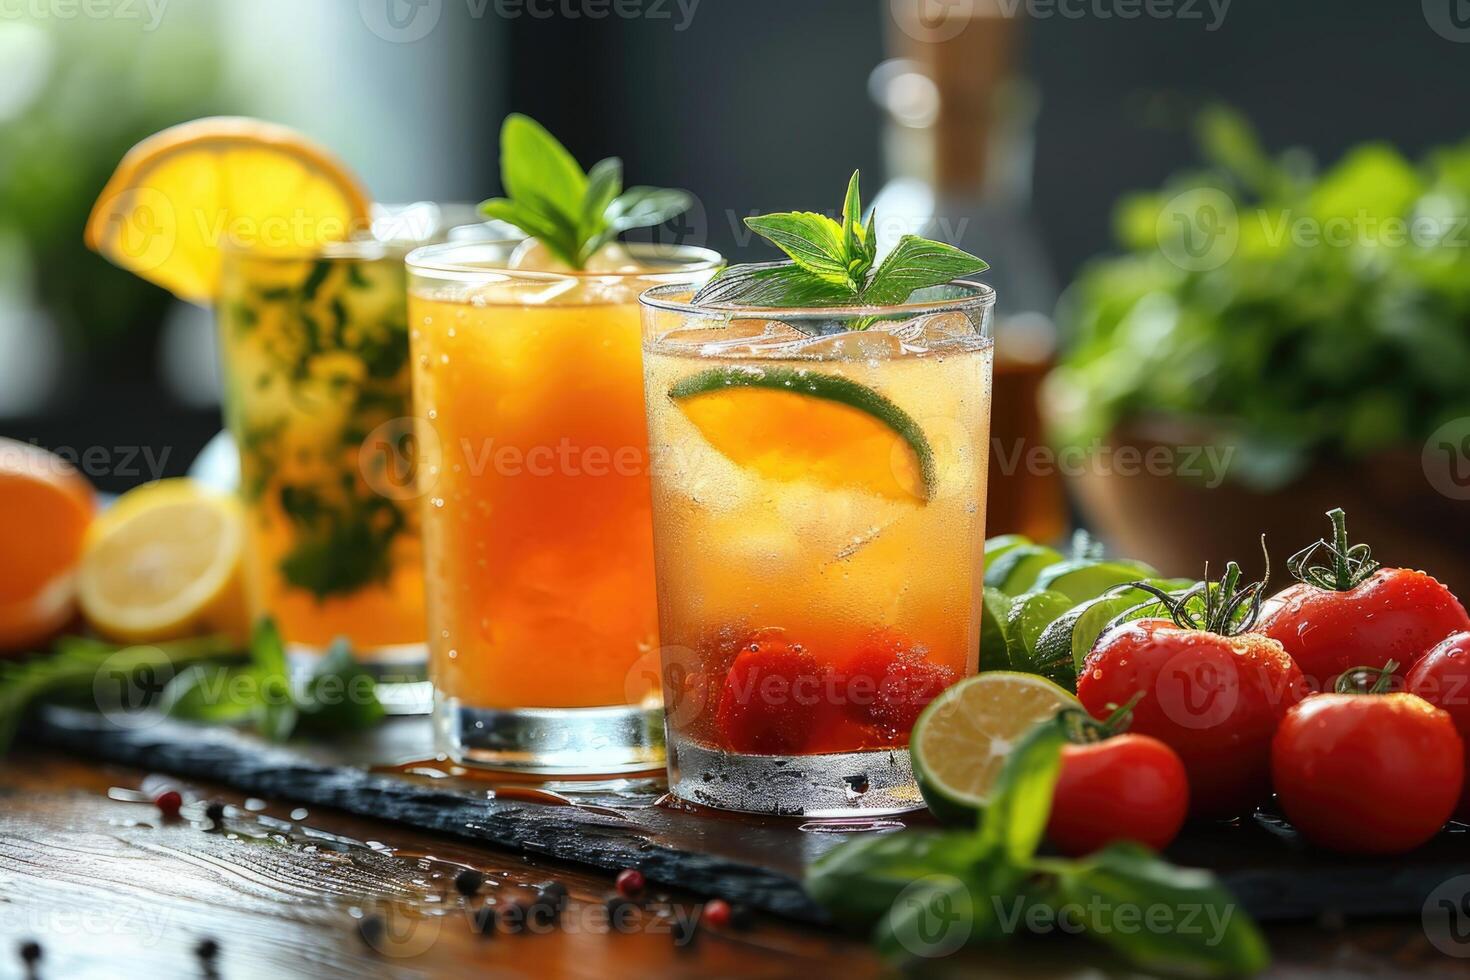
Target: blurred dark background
[{"x": 754, "y": 105}]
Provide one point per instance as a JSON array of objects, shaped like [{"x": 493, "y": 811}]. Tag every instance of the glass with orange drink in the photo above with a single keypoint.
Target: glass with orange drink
[{"x": 538, "y": 540}]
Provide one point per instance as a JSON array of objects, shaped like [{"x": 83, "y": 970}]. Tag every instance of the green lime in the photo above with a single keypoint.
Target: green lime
[
  {"x": 993, "y": 609},
  {"x": 1085, "y": 578},
  {"x": 1069, "y": 639},
  {"x": 999, "y": 545},
  {"x": 1015, "y": 570},
  {"x": 1028, "y": 617},
  {"x": 960, "y": 743}
]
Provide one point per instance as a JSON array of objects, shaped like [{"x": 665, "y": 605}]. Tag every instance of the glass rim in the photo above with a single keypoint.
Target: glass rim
[
  {"x": 981, "y": 297},
  {"x": 438, "y": 261}
]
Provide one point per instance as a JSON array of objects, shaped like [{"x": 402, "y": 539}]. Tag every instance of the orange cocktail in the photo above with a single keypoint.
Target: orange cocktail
[{"x": 539, "y": 553}]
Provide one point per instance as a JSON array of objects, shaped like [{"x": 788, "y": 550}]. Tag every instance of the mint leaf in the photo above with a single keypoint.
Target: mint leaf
[
  {"x": 571, "y": 212},
  {"x": 832, "y": 264},
  {"x": 534, "y": 163},
  {"x": 1115, "y": 887},
  {"x": 914, "y": 264},
  {"x": 776, "y": 284},
  {"x": 813, "y": 241}
]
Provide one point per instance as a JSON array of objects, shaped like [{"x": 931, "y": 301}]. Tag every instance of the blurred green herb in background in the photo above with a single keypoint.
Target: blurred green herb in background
[
  {"x": 78, "y": 93},
  {"x": 1296, "y": 315}
]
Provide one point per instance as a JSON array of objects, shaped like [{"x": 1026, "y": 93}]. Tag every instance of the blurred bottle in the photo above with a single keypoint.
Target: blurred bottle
[{"x": 958, "y": 150}]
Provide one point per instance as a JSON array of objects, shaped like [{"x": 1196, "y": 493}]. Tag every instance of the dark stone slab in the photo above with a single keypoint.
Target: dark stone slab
[{"x": 613, "y": 824}]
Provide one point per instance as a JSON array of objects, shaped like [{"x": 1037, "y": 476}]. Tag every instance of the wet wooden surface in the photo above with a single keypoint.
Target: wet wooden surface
[{"x": 109, "y": 889}]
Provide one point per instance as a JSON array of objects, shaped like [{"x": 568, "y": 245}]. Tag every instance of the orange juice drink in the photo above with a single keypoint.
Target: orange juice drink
[
  {"x": 819, "y": 515},
  {"x": 538, "y": 543},
  {"x": 317, "y": 396}
]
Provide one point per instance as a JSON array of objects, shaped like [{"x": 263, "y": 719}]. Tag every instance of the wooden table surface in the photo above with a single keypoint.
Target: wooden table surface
[{"x": 108, "y": 889}]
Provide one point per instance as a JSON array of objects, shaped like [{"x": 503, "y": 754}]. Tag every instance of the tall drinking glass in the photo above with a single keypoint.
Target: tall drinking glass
[
  {"x": 538, "y": 540},
  {"x": 819, "y": 515}
]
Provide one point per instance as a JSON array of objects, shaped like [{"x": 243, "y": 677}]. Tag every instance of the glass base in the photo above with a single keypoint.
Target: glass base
[
  {"x": 551, "y": 741},
  {"x": 840, "y": 784},
  {"x": 401, "y": 672}
]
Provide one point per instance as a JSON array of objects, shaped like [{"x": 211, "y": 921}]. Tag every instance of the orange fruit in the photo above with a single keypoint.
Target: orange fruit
[
  {"x": 45, "y": 509},
  {"x": 183, "y": 194},
  {"x": 793, "y": 425}
]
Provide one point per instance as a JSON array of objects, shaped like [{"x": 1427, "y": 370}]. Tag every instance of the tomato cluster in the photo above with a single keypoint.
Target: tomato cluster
[{"x": 1228, "y": 684}]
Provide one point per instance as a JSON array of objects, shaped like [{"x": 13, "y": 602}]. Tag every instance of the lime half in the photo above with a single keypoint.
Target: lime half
[{"x": 960, "y": 743}]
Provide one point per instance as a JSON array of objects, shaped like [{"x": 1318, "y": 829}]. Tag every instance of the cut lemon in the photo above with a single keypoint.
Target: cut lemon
[
  {"x": 166, "y": 565},
  {"x": 962, "y": 740},
  {"x": 801, "y": 425},
  {"x": 181, "y": 194}
]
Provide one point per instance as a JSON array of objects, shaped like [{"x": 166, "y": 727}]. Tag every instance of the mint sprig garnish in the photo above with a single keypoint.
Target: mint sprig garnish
[
  {"x": 574, "y": 213},
  {"x": 833, "y": 264}
]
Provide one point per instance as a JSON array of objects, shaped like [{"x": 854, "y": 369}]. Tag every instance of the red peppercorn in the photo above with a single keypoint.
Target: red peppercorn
[
  {"x": 717, "y": 913},
  {"x": 168, "y": 803},
  {"x": 630, "y": 883}
]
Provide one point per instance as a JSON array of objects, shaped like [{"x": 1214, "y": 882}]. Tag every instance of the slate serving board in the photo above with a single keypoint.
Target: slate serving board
[{"x": 613, "y": 824}]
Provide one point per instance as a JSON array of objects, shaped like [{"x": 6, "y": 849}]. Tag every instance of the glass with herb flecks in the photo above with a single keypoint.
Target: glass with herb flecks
[{"x": 317, "y": 396}]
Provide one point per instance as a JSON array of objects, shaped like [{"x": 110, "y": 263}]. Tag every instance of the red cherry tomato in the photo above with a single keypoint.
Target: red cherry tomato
[
  {"x": 1128, "y": 787},
  {"x": 1368, "y": 773},
  {"x": 1347, "y": 612},
  {"x": 770, "y": 699},
  {"x": 1215, "y": 700},
  {"x": 1396, "y": 614},
  {"x": 888, "y": 682},
  {"x": 1442, "y": 677}
]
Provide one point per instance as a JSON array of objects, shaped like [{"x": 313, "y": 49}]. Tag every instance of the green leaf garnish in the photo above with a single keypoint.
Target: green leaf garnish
[
  {"x": 832, "y": 264},
  {"x": 907, "y": 886},
  {"x": 572, "y": 213}
]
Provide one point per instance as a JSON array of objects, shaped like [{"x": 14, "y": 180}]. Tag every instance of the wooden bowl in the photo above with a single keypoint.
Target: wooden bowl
[{"x": 1177, "y": 523}]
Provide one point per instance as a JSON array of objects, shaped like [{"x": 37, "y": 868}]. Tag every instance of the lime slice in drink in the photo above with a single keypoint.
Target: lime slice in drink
[
  {"x": 960, "y": 743},
  {"x": 793, "y": 425},
  {"x": 1016, "y": 570},
  {"x": 1085, "y": 578}
]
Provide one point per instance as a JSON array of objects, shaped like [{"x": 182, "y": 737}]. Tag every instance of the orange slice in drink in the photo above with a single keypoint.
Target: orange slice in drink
[
  {"x": 793, "y": 425},
  {"x": 182, "y": 194},
  {"x": 45, "y": 509}
]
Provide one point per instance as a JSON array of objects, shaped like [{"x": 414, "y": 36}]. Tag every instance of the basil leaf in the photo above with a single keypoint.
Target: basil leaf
[
  {"x": 778, "y": 284},
  {"x": 533, "y": 162},
  {"x": 1162, "y": 917},
  {"x": 341, "y": 694},
  {"x": 914, "y": 264},
  {"x": 211, "y": 693},
  {"x": 1012, "y": 825},
  {"x": 859, "y": 880},
  {"x": 813, "y": 241},
  {"x": 993, "y": 639}
]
